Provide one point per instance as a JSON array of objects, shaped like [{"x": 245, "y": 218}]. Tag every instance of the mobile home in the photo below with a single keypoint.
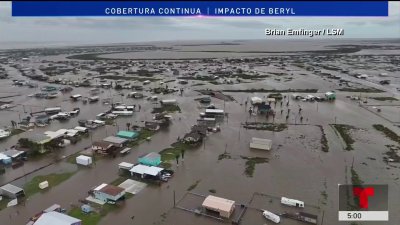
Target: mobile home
[{"x": 292, "y": 202}]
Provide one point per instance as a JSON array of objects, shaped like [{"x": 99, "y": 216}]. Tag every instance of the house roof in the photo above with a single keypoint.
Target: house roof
[
  {"x": 13, "y": 153},
  {"x": 128, "y": 134},
  {"x": 51, "y": 218},
  {"x": 143, "y": 169},
  {"x": 152, "y": 155},
  {"x": 115, "y": 140},
  {"x": 11, "y": 188},
  {"x": 218, "y": 204},
  {"x": 110, "y": 189},
  {"x": 194, "y": 135},
  {"x": 102, "y": 144}
]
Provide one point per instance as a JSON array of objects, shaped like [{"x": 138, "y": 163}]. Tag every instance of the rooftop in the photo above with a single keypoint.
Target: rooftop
[
  {"x": 115, "y": 140},
  {"x": 52, "y": 218},
  {"x": 109, "y": 189},
  {"x": 11, "y": 188}
]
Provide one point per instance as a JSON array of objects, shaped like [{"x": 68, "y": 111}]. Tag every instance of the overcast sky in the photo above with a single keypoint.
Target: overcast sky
[{"x": 90, "y": 30}]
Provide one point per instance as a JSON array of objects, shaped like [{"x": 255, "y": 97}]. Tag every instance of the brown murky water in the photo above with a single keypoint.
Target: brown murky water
[{"x": 297, "y": 167}]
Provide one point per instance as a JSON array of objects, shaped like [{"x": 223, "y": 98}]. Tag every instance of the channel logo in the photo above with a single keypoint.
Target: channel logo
[{"x": 363, "y": 203}]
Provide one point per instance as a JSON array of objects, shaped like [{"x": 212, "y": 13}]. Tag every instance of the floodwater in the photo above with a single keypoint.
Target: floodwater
[{"x": 296, "y": 167}]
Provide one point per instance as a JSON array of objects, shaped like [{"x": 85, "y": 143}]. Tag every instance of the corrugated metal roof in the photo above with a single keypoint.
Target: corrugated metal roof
[{"x": 52, "y": 218}]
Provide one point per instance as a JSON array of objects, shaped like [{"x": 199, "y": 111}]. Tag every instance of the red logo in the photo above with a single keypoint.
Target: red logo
[{"x": 363, "y": 194}]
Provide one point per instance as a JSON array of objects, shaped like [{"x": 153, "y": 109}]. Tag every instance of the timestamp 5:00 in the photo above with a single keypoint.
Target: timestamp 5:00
[{"x": 354, "y": 215}]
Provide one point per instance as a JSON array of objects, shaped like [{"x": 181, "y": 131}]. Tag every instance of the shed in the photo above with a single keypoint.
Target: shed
[
  {"x": 330, "y": 95},
  {"x": 125, "y": 166},
  {"x": 11, "y": 191},
  {"x": 116, "y": 141},
  {"x": 169, "y": 102},
  {"x": 5, "y": 159},
  {"x": 150, "y": 159},
  {"x": 261, "y": 143},
  {"x": 43, "y": 185},
  {"x": 127, "y": 134},
  {"x": 255, "y": 100},
  {"x": 51, "y": 218},
  {"x": 101, "y": 146},
  {"x": 86, "y": 208},
  {"x": 84, "y": 160},
  {"x": 222, "y": 206}
]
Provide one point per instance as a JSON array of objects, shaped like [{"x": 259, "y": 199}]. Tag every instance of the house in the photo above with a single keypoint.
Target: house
[
  {"x": 4, "y": 133},
  {"x": 102, "y": 147},
  {"x": 107, "y": 192},
  {"x": 330, "y": 96},
  {"x": 125, "y": 166},
  {"x": 292, "y": 202},
  {"x": 224, "y": 207},
  {"x": 255, "y": 100},
  {"x": 150, "y": 159},
  {"x": 42, "y": 119},
  {"x": 5, "y": 159},
  {"x": 14, "y": 154},
  {"x": 150, "y": 125},
  {"x": 51, "y": 218},
  {"x": 11, "y": 191},
  {"x": 116, "y": 141},
  {"x": 169, "y": 102},
  {"x": 192, "y": 137},
  {"x": 128, "y": 134},
  {"x": 143, "y": 171},
  {"x": 260, "y": 143}
]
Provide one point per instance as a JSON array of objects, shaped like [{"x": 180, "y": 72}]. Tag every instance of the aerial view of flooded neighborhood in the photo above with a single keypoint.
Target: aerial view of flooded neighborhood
[{"x": 227, "y": 131}]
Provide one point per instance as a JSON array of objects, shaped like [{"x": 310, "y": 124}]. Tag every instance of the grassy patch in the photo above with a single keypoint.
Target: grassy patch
[
  {"x": 3, "y": 203},
  {"x": 277, "y": 127},
  {"x": 388, "y": 132},
  {"x": 224, "y": 155},
  {"x": 392, "y": 155},
  {"x": 194, "y": 185},
  {"x": 324, "y": 197},
  {"x": 143, "y": 135},
  {"x": 54, "y": 179},
  {"x": 167, "y": 108},
  {"x": 365, "y": 90},
  {"x": 324, "y": 140},
  {"x": 92, "y": 218},
  {"x": 344, "y": 132},
  {"x": 384, "y": 98},
  {"x": 16, "y": 131},
  {"x": 355, "y": 180},
  {"x": 212, "y": 191},
  {"x": 171, "y": 153},
  {"x": 251, "y": 163}
]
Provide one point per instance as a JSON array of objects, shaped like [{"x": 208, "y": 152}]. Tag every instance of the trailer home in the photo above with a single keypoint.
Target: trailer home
[{"x": 292, "y": 202}]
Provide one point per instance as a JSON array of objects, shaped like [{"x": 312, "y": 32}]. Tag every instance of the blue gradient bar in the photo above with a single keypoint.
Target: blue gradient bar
[{"x": 201, "y": 8}]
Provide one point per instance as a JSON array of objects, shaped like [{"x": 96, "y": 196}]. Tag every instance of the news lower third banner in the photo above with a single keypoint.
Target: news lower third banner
[{"x": 199, "y": 8}]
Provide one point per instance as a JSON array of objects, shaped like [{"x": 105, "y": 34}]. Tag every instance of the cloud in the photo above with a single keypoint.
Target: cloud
[{"x": 122, "y": 29}]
